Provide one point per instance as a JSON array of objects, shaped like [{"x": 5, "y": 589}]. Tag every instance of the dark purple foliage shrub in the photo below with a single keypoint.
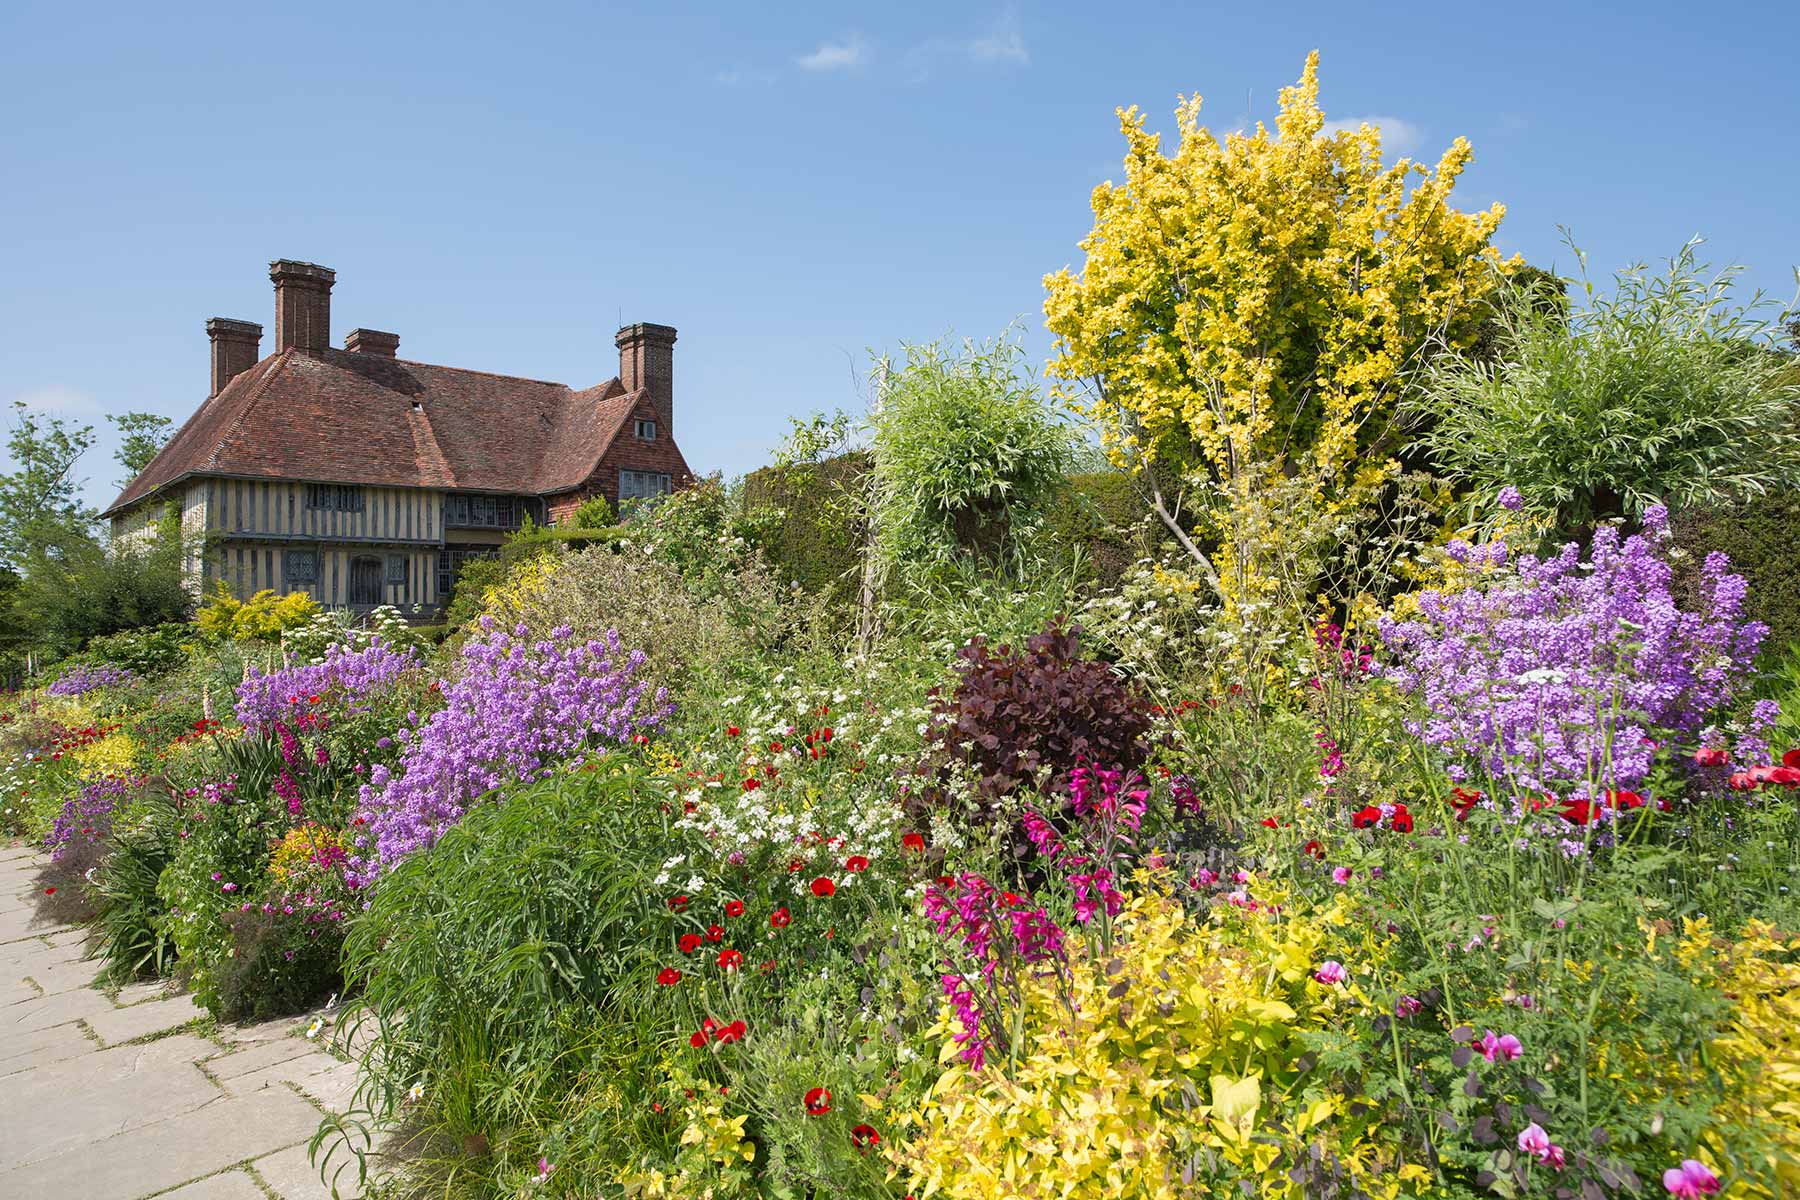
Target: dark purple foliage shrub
[{"x": 1023, "y": 719}]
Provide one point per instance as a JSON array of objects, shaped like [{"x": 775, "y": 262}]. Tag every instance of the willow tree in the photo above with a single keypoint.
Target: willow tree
[{"x": 1247, "y": 308}]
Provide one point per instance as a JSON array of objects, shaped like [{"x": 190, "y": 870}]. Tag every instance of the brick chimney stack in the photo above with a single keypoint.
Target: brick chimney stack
[
  {"x": 647, "y": 360},
  {"x": 302, "y": 304},
  {"x": 236, "y": 345},
  {"x": 372, "y": 341}
]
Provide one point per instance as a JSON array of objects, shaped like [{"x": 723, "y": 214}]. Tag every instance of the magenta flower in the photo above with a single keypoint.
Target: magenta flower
[
  {"x": 1502, "y": 1046},
  {"x": 1534, "y": 1141},
  {"x": 1690, "y": 1180},
  {"x": 1331, "y": 971},
  {"x": 1341, "y": 875}
]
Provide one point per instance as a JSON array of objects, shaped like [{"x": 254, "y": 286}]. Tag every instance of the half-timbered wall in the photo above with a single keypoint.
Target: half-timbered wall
[
  {"x": 250, "y": 508},
  {"x": 250, "y": 566}
]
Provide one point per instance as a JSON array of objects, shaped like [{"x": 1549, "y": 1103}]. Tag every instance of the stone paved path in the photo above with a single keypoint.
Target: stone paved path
[{"x": 118, "y": 1099}]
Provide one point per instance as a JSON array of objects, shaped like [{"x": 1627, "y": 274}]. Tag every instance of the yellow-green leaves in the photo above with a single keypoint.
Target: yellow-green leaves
[{"x": 1247, "y": 303}]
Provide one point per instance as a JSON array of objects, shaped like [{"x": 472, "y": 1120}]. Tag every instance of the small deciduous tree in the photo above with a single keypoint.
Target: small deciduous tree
[
  {"x": 1245, "y": 310},
  {"x": 1662, "y": 392},
  {"x": 144, "y": 435},
  {"x": 41, "y": 512}
]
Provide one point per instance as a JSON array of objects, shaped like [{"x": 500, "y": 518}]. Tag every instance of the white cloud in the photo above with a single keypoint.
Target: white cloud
[
  {"x": 1004, "y": 43},
  {"x": 843, "y": 55},
  {"x": 1397, "y": 134}
]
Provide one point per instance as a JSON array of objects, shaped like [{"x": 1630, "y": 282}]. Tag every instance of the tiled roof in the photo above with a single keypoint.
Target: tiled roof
[{"x": 332, "y": 416}]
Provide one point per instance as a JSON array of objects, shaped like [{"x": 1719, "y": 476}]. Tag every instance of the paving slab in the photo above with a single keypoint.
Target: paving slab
[
  {"x": 232, "y": 1185},
  {"x": 64, "y": 976},
  {"x": 155, "y": 1157},
  {"x": 293, "y": 1176},
  {"x": 325, "y": 1079},
  {"x": 59, "y": 1009},
  {"x": 141, "y": 1020},
  {"x": 258, "y": 1055},
  {"x": 66, "y": 1105},
  {"x": 137, "y": 993},
  {"x": 41, "y": 1047}
]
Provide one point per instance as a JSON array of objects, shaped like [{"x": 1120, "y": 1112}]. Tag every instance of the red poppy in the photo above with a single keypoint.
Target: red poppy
[
  {"x": 689, "y": 942},
  {"x": 731, "y": 731},
  {"x": 913, "y": 841},
  {"x": 795, "y": 866},
  {"x": 1791, "y": 758},
  {"x": 733, "y": 1032},
  {"x": 947, "y": 881},
  {"x": 677, "y": 903},
  {"x": 734, "y": 908},
  {"x": 774, "y": 747},
  {"x": 696, "y": 1039},
  {"x": 730, "y": 960},
  {"x": 1401, "y": 821},
  {"x": 780, "y": 918},
  {"x": 818, "y": 1101},
  {"x": 1313, "y": 848},
  {"x": 1579, "y": 812},
  {"x": 1713, "y": 756},
  {"x": 714, "y": 932},
  {"x": 1624, "y": 800},
  {"x": 766, "y": 967},
  {"x": 750, "y": 785},
  {"x": 312, "y": 699},
  {"x": 668, "y": 976},
  {"x": 1271, "y": 823},
  {"x": 1366, "y": 817},
  {"x": 856, "y": 862},
  {"x": 823, "y": 888},
  {"x": 863, "y": 1136},
  {"x": 50, "y": 891}
]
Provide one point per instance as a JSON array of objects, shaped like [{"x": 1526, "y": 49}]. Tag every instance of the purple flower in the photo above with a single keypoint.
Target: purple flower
[
  {"x": 1510, "y": 499},
  {"x": 81, "y": 679},
  {"x": 1331, "y": 972}
]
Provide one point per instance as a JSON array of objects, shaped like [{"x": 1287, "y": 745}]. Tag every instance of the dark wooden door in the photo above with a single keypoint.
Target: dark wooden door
[{"x": 365, "y": 581}]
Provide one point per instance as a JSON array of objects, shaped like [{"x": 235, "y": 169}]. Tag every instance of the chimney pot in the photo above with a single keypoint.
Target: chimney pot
[
  {"x": 647, "y": 360},
  {"x": 302, "y": 304},
  {"x": 236, "y": 345},
  {"x": 372, "y": 341}
]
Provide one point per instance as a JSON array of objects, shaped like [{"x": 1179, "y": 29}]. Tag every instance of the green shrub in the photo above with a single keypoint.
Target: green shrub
[
  {"x": 1760, "y": 537},
  {"x": 808, "y": 518},
  {"x": 592, "y": 513}
]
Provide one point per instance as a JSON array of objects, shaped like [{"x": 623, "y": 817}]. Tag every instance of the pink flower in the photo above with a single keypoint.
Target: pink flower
[
  {"x": 1502, "y": 1046},
  {"x": 1331, "y": 971},
  {"x": 1408, "y": 1006},
  {"x": 1341, "y": 875},
  {"x": 1534, "y": 1141},
  {"x": 1690, "y": 1180}
]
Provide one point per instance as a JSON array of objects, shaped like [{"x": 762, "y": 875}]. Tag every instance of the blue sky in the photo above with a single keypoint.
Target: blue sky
[{"x": 789, "y": 185}]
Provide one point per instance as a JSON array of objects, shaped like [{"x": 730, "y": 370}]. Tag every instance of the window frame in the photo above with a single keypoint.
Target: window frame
[
  {"x": 642, "y": 424},
  {"x": 334, "y": 497},
  {"x": 290, "y": 575},
  {"x": 660, "y": 481}
]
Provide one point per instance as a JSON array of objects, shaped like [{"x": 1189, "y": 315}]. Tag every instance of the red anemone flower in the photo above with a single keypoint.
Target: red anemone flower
[
  {"x": 734, "y": 908},
  {"x": 49, "y": 891},
  {"x": 689, "y": 943},
  {"x": 715, "y": 932},
  {"x": 856, "y": 862},
  {"x": 730, "y": 960},
  {"x": 750, "y": 785},
  {"x": 677, "y": 903},
  {"x": 1579, "y": 812},
  {"x": 1624, "y": 800},
  {"x": 1713, "y": 756},
  {"x": 733, "y": 1032},
  {"x": 774, "y": 747},
  {"x": 823, "y": 888},
  {"x": 863, "y": 1136},
  {"x": 1366, "y": 817},
  {"x": 668, "y": 976},
  {"x": 1401, "y": 821},
  {"x": 1791, "y": 758},
  {"x": 818, "y": 1101},
  {"x": 780, "y": 918},
  {"x": 731, "y": 731},
  {"x": 1271, "y": 823},
  {"x": 913, "y": 841},
  {"x": 1313, "y": 848}
]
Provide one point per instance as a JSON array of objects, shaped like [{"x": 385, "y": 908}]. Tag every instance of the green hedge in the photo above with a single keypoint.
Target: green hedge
[
  {"x": 808, "y": 522},
  {"x": 1760, "y": 536},
  {"x": 1102, "y": 514}
]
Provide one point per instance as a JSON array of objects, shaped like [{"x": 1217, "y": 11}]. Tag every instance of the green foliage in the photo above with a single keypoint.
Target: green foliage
[
  {"x": 484, "y": 964},
  {"x": 89, "y": 592},
  {"x": 262, "y": 618},
  {"x": 1761, "y": 538},
  {"x": 809, "y": 515},
  {"x": 41, "y": 515},
  {"x": 1662, "y": 392},
  {"x": 151, "y": 650},
  {"x": 134, "y": 942},
  {"x": 968, "y": 458},
  {"x": 592, "y": 513},
  {"x": 144, "y": 435}
]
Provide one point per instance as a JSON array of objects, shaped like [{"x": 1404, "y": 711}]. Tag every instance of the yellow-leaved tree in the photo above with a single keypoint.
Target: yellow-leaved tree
[{"x": 1246, "y": 312}]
